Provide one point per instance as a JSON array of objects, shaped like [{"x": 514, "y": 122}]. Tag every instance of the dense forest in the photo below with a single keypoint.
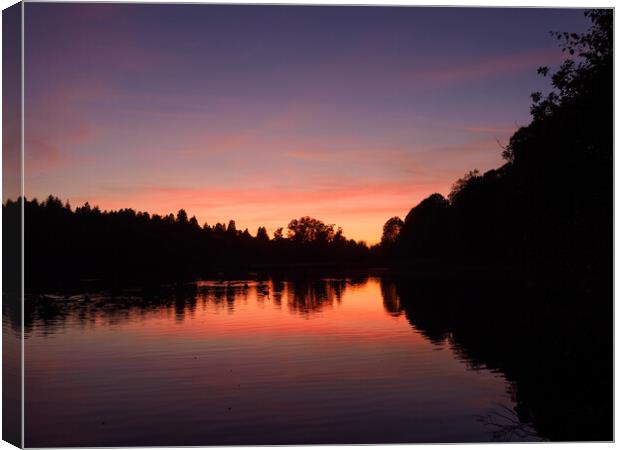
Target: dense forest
[
  {"x": 536, "y": 234},
  {"x": 126, "y": 245},
  {"x": 550, "y": 205},
  {"x": 548, "y": 209}
]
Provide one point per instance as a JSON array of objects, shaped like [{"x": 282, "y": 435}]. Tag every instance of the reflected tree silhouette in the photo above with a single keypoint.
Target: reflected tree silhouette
[
  {"x": 507, "y": 426},
  {"x": 391, "y": 300},
  {"x": 311, "y": 296},
  {"x": 49, "y": 313},
  {"x": 557, "y": 359}
]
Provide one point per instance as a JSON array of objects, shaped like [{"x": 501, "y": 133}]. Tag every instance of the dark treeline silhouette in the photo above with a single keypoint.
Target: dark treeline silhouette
[
  {"x": 546, "y": 211},
  {"x": 64, "y": 245},
  {"x": 515, "y": 266},
  {"x": 549, "y": 208}
]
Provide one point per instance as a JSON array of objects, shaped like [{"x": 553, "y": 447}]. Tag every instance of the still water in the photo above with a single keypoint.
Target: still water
[{"x": 249, "y": 362}]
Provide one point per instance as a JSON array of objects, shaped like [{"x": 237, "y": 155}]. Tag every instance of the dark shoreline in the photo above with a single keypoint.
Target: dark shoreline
[{"x": 424, "y": 269}]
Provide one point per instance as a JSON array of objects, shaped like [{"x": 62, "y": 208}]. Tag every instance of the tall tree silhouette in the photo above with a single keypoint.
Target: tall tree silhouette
[{"x": 548, "y": 208}]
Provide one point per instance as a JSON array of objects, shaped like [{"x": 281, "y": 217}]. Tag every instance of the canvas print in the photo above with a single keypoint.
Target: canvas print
[{"x": 306, "y": 224}]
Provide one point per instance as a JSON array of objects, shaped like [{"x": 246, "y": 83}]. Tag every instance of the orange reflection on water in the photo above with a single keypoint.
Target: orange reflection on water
[
  {"x": 254, "y": 362},
  {"x": 337, "y": 308}
]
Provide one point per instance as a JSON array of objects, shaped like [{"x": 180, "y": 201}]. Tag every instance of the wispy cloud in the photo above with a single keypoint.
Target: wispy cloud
[
  {"x": 45, "y": 147},
  {"x": 491, "y": 130},
  {"x": 490, "y": 67},
  {"x": 216, "y": 113}
]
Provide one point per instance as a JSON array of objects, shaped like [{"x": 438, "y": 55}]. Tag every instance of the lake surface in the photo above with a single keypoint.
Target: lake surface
[{"x": 251, "y": 362}]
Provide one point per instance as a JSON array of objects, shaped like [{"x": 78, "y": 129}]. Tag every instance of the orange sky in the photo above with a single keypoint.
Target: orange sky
[{"x": 264, "y": 114}]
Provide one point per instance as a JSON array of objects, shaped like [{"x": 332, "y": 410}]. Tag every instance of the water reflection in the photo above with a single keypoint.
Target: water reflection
[
  {"x": 554, "y": 348},
  {"x": 357, "y": 355},
  {"x": 302, "y": 296},
  {"x": 11, "y": 366},
  {"x": 391, "y": 299}
]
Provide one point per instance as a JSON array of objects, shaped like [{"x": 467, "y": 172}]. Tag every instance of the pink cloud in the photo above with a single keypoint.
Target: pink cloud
[
  {"x": 357, "y": 154},
  {"x": 40, "y": 154},
  {"x": 490, "y": 67},
  {"x": 214, "y": 143},
  {"x": 44, "y": 150},
  {"x": 493, "y": 130}
]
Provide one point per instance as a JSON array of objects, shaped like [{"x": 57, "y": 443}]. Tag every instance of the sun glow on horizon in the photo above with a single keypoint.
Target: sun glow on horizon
[{"x": 351, "y": 123}]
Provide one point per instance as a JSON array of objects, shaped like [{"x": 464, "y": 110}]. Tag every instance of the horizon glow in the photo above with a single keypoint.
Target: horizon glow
[{"x": 263, "y": 114}]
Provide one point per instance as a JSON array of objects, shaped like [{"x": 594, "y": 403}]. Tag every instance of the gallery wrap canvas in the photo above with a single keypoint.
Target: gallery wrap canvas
[{"x": 306, "y": 224}]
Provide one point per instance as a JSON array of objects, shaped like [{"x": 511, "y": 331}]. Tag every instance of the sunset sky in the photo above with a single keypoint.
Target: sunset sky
[{"x": 262, "y": 114}]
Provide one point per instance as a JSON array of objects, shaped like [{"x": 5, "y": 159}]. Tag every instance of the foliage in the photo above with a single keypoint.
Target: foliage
[
  {"x": 307, "y": 230},
  {"x": 549, "y": 207},
  {"x": 391, "y": 230},
  {"x": 65, "y": 245}
]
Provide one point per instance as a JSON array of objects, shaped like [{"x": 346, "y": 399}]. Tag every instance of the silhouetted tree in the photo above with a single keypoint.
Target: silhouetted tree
[
  {"x": 262, "y": 235},
  {"x": 548, "y": 208},
  {"x": 182, "y": 216},
  {"x": 391, "y": 230},
  {"x": 425, "y": 229},
  {"x": 65, "y": 246},
  {"x": 278, "y": 234},
  {"x": 307, "y": 229},
  {"x": 219, "y": 228}
]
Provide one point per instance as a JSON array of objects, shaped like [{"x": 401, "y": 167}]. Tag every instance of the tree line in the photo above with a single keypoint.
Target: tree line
[
  {"x": 127, "y": 245},
  {"x": 548, "y": 208}
]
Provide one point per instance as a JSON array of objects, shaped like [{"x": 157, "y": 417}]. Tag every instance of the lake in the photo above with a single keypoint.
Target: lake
[{"x": 274, "y": 361}]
